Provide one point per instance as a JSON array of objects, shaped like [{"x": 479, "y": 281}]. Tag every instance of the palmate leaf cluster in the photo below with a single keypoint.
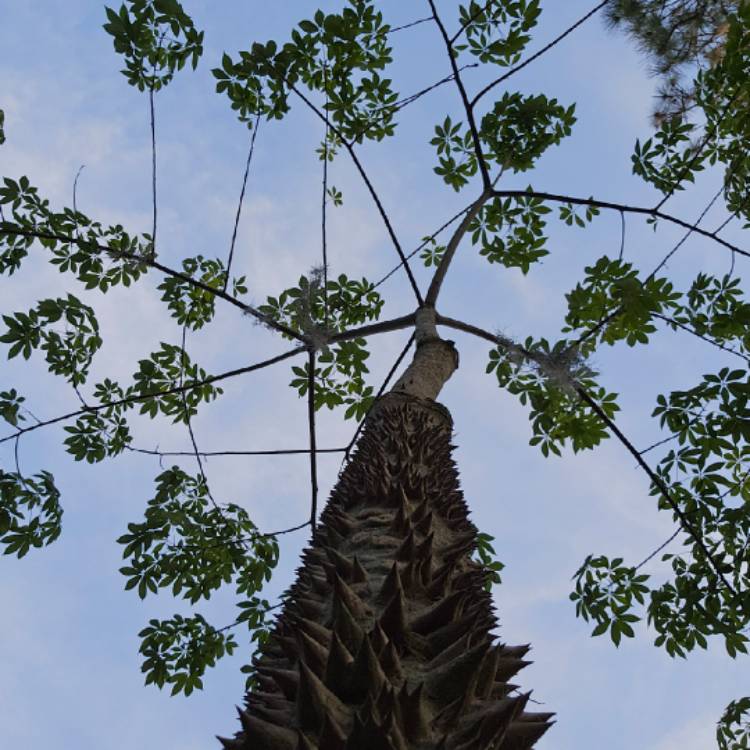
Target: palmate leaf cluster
[
  {"x": 192, "y": 547},
  {"x": 339, "y": 54},
  {"x": 338, "y": 61},
  {"x": 320, "y": 309},
  {"x": 156, "y": 39}
]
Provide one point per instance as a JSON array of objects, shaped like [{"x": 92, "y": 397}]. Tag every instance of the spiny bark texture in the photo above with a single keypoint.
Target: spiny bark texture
[{"x": 385, "y": 641}]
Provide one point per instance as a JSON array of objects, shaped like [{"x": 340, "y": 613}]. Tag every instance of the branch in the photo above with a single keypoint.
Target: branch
[
  {"x": 676, "y": 324},
  {"x": 350, "y": 148},
  {"x": 239, "y": 204},
  {"x": 424, "y": 244},
  {"x": 9, "y": 229},
  {"x": 450, "y": 250},
  {"x": 206, "y": 454},
  {"x": 144, "y": 396},
  {"x": 395, "y": 324},
  {"x": 618, "y": 207},
  {"x": 311, "y": 421},
  {"x": 468, "y": 107},
  {"x": 153, "y": 169},
  {"x": 685, "y": 522},
  {"x": 470, "y": 20},
  {"x": 538, "y": 54}
]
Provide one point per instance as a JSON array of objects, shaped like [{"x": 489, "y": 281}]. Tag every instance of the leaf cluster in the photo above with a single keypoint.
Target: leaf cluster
[
  {"x": 156, "y": 38},
  {"x": 69, "y": 350},
  {"x": 319, "y": 310},
  {"x": 30, "y": 512},
  {"x": 190, "y": 546},
  {"x": 497, "y": 31},
  {"x": 337, "y": 54},
  {"x": 546, "y": 377}
]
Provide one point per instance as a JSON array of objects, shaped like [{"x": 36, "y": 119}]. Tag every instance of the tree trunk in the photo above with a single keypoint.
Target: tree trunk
[{"x": 385, "y": 640}]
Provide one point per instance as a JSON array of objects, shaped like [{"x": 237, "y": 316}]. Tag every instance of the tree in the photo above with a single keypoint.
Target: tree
[{"x": 611, "y": 305}]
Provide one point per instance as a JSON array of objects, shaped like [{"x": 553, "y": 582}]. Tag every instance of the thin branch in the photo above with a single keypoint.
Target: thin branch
[
  {"x": 376, "y": 198},
  {"x": 676, "y": 324},
  {"x": 311, "y": 422},
  {"x": 650, "y": 557},
  {"x": 194, "y": 442},
  {"x": 153, "y": 169},
  {"x": 10, "y": 229},
  {"x": 166, "y": 392},
  {"x": 656, "y": 480},
  {"x": 468, "y": 107},
  {"x": 407, "y": 100},
  {"x": 239, "y": 204},
  {"x": 465, "y": 25},
  {"x": 611, "y": 316},
  {"x": 437, "y": 280},
  {"x": 658, "y": 443},
  {"x": 622, "y": 236},
  {"x": 424, "y": 243},
  {"x": 395, "y": 324},
  {"x": 619, "y": 207},
  {"x": 693, "y": 228},
  {"x": 410, "y": 25},
  {"x": 207, "y": 454},
  {"x": 380, "y": 392},
  {"x": 538, "y": 54},
  {"x": 710, "y": 133},
  {"x": 75, "y": 195},
  {"x": 324, "y": 238}
]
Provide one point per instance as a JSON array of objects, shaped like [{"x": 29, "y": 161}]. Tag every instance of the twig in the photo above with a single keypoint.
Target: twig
[
  {"x": 465, "y": 25},
  {"x": 424, "y": 243},
  {"x": 395, "y": 324},
  {"x": 538, "y": 54},
  {"x": 409, "y": 25},
  {"x": 239, "y": 204},
  {"x": 75, "y": 191},
  {"x": 650, "y": 557},
  {"x": 194, "y": 442}
]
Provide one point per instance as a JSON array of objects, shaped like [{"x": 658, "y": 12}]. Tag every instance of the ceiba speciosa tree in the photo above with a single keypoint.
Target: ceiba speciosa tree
[{"x": 385, "y": 640}]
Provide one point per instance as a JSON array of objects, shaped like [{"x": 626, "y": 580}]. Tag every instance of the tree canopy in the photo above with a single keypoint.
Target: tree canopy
[{"x": 488, "y": 146}]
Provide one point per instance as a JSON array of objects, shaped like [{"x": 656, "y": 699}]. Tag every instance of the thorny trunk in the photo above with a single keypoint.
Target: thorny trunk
[{"x": 385, "y": 640}]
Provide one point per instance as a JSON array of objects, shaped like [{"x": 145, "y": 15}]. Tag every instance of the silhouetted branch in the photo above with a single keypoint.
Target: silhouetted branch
[
  {"x": 13, "y": 230},
  {"x": 166, "y": 392},
  {"x": 538, "y": 54},
  {"x": 464, "y": 98},
  {"x": 239, "y": 204},
  {"x": 376, "y": 198}
]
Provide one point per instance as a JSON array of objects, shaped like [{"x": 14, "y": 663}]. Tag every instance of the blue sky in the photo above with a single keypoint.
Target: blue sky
[{"x": 68, "y": 635}]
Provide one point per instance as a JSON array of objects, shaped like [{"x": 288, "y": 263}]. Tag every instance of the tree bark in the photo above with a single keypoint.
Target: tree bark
[{"x": 385, "y": 640}]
